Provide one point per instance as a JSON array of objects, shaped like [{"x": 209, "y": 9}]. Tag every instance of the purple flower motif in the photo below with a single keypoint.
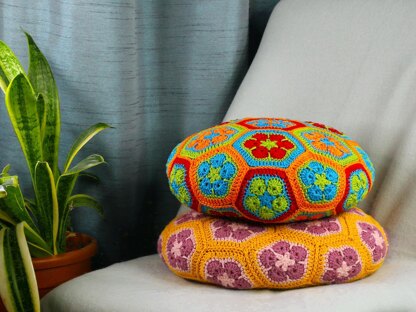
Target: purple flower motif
[
  {"x": 373, "y": 240},
  {"x": 189, "y": 216},
  {"x": 234, "y": 231},
  {"x": 283, "y": 262},
  {"x": 159, "y": 248},
  {"x": 321, "y": 227},
  {"x": 180, "y": 248},
  {"x": 341, "y": 265},
  {"x": 227, "y": 273}
]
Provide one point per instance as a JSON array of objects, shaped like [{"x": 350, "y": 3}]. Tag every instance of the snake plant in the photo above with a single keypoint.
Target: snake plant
[{"x": 37, "y": 227}]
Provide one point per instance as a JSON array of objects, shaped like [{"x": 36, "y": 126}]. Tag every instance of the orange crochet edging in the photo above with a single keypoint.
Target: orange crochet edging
[
  {"x": 270, "y": 170},
  {"x": 241, "y": 255}
]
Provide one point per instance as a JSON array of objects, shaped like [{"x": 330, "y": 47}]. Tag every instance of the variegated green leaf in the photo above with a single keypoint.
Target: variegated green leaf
[
  {"x": 43, "y": 82},
  {"x": 83, "y": 200},
  {"x": 5, "y": 170},
  {"x": 83, "y": 139},
  {"x": 47, "y": 203},
  {"x": 42, "y": 111},
  {"x": 65, "y": 186},
  {"x": 13, "y": 204},
  {"x": 10, "y": 66},
  {"x": 6, "y": 218},
  {"x": 3, "y": 192},
  {"x": 37, "y": 245},
  {"x": 21, "y": 106},
  {"x": 18, "y": 286}
]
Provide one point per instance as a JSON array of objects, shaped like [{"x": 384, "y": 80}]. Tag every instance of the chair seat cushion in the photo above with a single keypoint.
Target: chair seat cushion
[
  {"x": 270, "y": 170},
  {"x": 145, "y": 284},
  {"x": 243, "y": 255}
]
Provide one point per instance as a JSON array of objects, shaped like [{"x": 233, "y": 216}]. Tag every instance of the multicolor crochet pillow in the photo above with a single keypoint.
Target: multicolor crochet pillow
[
  {"x": 270, "y": 170},
  {"x": 241, "y": 255}
]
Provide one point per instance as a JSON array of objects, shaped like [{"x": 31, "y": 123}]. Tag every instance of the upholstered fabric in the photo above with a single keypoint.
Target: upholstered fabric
[
  {"x": 270, "y": 170},
  {"x": 245, "y": 255},
  {"x": 349, "y": 63}
]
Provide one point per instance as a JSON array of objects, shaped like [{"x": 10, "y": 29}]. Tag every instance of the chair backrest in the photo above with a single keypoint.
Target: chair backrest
[{"x": 350, "y": 64}]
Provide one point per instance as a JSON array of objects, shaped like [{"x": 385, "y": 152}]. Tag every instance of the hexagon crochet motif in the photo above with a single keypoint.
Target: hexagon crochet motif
[
  {"x": 242, "y": 255},
  {"x": 270, "y": 170}
]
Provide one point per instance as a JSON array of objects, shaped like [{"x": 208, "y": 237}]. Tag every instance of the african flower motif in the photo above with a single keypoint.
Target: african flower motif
[
  {"x": 210, "y": 137},
  {"x": 321, "y": 227},
  {"x": 359, "y": 187},
  {"x": 215, "y": 175},
  {"x": 326, "y": 143},
  {"x": 283, "y": 262},
  {"x": 373, "y": 240},
  {"x": 234, "y": 231},
  {"x": 270, "y": 146},
  {"x": 342, "y": 265},
  {"x": 320, "y": 182},
  {"x": 266, "y": 197},
  {"x": 227, "y": 273},
  {"x": 180, "y": 248},
  {"x": 178, "y": 186}
]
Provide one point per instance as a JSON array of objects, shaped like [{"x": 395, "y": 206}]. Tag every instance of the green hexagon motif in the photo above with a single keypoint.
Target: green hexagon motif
[
  {"x": 178, "y": 186},
  {"x": 266, "y": 196},
  {"x": 209, "y": 139},
  {"x": 320, "y": 182},
  {"x": 359, "y": 187}
]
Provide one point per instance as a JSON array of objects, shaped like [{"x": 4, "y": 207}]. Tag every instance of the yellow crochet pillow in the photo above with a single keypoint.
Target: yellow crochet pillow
[{"x": 242, "y": 255}]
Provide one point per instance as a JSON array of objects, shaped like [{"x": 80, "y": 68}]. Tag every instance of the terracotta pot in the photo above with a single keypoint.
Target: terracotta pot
[{"x": 56, "y": 270}]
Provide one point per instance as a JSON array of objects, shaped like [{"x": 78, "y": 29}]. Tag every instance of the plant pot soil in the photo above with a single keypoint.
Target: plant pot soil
[{"x": 56, "y": 270}]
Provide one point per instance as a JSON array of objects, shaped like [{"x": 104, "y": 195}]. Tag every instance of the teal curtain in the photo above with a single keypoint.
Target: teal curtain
[{"x": 157, "y": 71}]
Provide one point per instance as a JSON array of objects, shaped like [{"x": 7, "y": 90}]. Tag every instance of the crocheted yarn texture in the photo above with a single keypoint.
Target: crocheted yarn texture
[
  {"x": 241, "y": 255},
  {"x": 270, "y": 170}
]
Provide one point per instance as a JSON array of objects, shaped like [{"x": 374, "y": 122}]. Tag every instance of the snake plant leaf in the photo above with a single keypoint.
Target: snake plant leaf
[
  {"x": 18, "y": 286},
  {"x": 13, "y": 204},
  {"x": 83, "y": 200},
  {"x": 21, "y": 106},
  {"x": 37, "y": 245},
  {"x": 6, "y": 218},
  {"x": 83, "y": 139},
  {"x": 41, "y": 77},
  {"x": 5, "y": 170},
  {"x": 3, "y": 192},
  {"x": 10, "y": 66},
  {"x": 42, "y": 115},
  {"x": 65, "y": 186},
  {"x": 47, "y": 203}
]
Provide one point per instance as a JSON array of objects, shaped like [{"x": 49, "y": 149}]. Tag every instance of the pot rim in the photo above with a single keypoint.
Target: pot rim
[{"x": 69, "y": 257}]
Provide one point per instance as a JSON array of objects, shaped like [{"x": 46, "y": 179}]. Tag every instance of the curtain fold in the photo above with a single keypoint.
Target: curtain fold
[{"x": 157, "y": 71}]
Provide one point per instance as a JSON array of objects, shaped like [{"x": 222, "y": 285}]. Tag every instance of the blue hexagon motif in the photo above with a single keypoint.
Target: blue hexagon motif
[
  {"x": 320, "y": 183},
  {"x": 327, "y": 144},
  {"x": 269, "y": 148},
  {"x": 368, "y": 162},
  {"x": 216, "y": 175},
  {"x": 172, "y": 155}
]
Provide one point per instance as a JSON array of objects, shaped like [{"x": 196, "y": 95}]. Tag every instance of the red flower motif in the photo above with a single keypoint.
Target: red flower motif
[{"x": 269, "y": 145}]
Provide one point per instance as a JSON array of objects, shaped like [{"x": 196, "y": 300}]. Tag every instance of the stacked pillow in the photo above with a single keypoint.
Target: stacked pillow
[{"x": 275, "y": 206}]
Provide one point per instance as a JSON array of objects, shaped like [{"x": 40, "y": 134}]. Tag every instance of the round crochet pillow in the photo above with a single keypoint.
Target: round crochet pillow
[
  {"x": 242, "y": 255},
  {"x": 270, "y": 170}
]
